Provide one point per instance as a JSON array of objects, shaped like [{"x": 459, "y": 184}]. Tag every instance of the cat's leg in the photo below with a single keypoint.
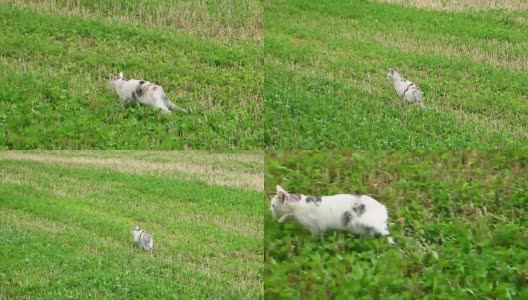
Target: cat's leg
[
  {"x": 161, "y": 105},
  {"x": 122, "y": 101},
  {"x": 382, "y": 230},
  {"x": 316, "y": 232},
  {"x": 163, "y": 108},
  {"x": 285, "y": 218}
]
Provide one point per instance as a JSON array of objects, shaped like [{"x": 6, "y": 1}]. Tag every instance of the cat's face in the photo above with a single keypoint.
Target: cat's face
[
  {"x": 278, "y": 206},
  {"x": 113, "y": 79},
  {"x": 392, "y": 75}
]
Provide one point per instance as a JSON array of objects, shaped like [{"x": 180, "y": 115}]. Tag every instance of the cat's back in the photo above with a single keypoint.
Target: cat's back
[
  {"x": 372, "y": 204},
  {"x": 336, "y": 205}
]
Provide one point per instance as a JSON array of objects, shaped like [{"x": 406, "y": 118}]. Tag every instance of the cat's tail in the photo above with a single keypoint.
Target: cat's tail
[
  {"x": 171, "y": 105},
  {"x": 418, "y": 96},
  {"x": 174, "y": 107}
]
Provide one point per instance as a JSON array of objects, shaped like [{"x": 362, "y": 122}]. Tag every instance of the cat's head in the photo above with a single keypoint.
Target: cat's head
[
  {"x": 281, "y": 203},
  {"x": 115, "y": 79},
  {"x": 393, "y": 75},
  {"x": 136, "y": 228}
]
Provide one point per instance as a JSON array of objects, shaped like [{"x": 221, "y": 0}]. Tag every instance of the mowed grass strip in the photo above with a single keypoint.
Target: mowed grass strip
[
  {"x": 335, "y": 56},
  {"x": 56, "y": 93},
  {"x": 223, "y": 20},
  {"x": 238, "y": 170},
  {"x": 459, "y": 220},
  {"x": 67, "y": 234},
  {"x": 457, "y": 5}
]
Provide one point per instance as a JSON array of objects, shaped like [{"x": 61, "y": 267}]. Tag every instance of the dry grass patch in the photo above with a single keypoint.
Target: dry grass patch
[
  {"x": 95, "y": 243},
  {"x": 505, "y": 54},
  {"x": 28, "y": 222},
  {"x": 222, "y": 175},
  {"x": 493, "y": 52},
  {"x": 499, "y": 53},
  {"x": 197, "y": 157},
  {"x": 491, "y": 123},
  {"x": 224, "y": 20},
  {"x": 238, "y": 223},
  {"x": 65, "y": 187},
  {"x": 459, "y": 5}
]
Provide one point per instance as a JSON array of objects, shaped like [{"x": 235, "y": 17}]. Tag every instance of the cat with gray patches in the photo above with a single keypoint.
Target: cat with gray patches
[
  {"x": 143, "y": 239},
  {"x": 358, "y": 214},
  {"x": 405, "y": 89},
  {"x": 141, "y": 91},
  {"x": 367, "y": 217}
]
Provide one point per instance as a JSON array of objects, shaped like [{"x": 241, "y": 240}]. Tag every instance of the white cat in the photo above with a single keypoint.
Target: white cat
[
  {"x": 143, "y": 239},
  {"x": 361, "y": 215},
  {"x": 145, "y": 92},
  {"x": 405, "y": 89}
]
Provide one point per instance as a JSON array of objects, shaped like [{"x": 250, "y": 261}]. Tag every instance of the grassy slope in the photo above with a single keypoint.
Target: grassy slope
[
  {"x": 326, "y": 64},
  {"x": 55, "y": 61},
  {"x": 459, "y": 220},
  {"x": 65, "y": 231}
]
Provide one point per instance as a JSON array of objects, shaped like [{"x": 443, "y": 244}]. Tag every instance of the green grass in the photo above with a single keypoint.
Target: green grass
[
  {"x": 65, "y": 221},
  {"x": 326, "y": 65},
  {"x": 55, "y": 61},
  {"x": 459, "y": 220}
]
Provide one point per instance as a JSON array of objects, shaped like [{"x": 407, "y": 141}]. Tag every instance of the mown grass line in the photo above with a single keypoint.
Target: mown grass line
[
  {"x": 164, "y": 189},
  {"x": 458, "y": 218},
  {"x": 252, "y": 159},
  {"x": 341, "y": 33},
  {"x": 206, "y": 237},
  {"x": 463, "y": 5},
  {"x": 237, "y": 170},
  {"x": 474, "y": 85},
  {"x": 225, "y": 20},
  {"x": 57, "y": 96},
  {"x": 490, "y": 24}
]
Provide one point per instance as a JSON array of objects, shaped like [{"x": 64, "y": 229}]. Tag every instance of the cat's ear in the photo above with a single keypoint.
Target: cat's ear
[
  {"x": 120, "y": 74},
  {"x": 282, "y": 195}
]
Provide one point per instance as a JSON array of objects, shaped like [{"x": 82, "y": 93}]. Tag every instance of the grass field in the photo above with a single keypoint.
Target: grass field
[
  {"x": 326, "y": 65},
  {"x": 459, "y": 220},
  {"x": 56, "y": 57},
  {"x": 65, "y": 221}
]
